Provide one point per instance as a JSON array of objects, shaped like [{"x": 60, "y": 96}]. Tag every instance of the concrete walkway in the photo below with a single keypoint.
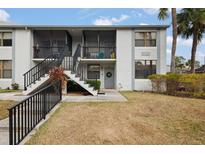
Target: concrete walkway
[
  {"x": 4, "y": 124},
  {"x": 4, "y": 131},
  {"x": 110, "y": 95},
  {"x": 15, "y": 96}
]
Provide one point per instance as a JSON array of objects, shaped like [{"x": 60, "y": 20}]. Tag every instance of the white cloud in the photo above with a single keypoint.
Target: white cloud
[
  {"x": 169, "y": 51},
  {"x": 151, "y": 11},
  {"x": 200, "y": 56},
  {"x": 143, "y": 23},
  {"x": 4, "y": 16},
  {"x": 169, "y": 40},
  {"x": 203, "y": 41},
  {"x": 102, "y": 21},
  {"x": 154, "y": 11},
  {"x": 182, "y": 42},
  {"x": 169, "y": 56},
  {"x": 110, "y": 21},
  {"x": 136, "y": 13},
  {"x": 86, "y": 13}
]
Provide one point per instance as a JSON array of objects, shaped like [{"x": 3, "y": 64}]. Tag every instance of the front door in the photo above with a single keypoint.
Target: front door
[{"x": 109, "y": 78}]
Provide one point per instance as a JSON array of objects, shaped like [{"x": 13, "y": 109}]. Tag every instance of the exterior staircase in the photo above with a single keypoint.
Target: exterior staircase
[
  {"x": 37, "y": 85},
  {"x": 37, "y": 77},
  {"x": 82, "y": 83}
]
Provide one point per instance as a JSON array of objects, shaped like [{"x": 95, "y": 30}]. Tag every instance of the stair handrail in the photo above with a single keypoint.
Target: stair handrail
[
  {"x": 75, "y": 57},
  {"x": 29, "y": 77}
]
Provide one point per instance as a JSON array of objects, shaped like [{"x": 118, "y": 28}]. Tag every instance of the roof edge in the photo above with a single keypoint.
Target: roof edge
[{"x": 82, "y": 26}]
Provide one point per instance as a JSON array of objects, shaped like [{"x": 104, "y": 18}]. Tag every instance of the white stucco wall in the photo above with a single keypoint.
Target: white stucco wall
[
  {"x": 5, "y": 53},
  {"x": 161, "y": 52},
  {"x": 152, "y": 53},
  {"x": 143, "y": 85},
  {"x": 5, "y": 83},
  {"x": 21, "y": 55},
  {"x": 146, "y": 53},
  {"x": 124, "y": 57}
]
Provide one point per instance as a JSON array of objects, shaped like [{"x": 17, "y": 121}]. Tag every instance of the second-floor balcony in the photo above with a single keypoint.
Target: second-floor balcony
[
  {"x": 41, "y": 52},
  {"x": 92, "y": 52}
]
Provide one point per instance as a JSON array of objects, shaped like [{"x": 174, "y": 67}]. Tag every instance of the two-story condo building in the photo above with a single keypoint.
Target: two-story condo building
[{"x": 121, "y": 57}]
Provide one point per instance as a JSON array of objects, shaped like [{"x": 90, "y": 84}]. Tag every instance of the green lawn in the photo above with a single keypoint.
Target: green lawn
[
  {"x": 145, "y": 119},
  {"x": 4, "y": 105},
  {"x": 7, "y": 91}
]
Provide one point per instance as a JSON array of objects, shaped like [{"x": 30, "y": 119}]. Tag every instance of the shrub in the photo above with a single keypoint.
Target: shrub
[
  {"x": 57, "y": 73},
  {"x": 158, "y": 82},
  {"x": 172, "y": 83},
  {"x": 188, "y": 85},
  {"x": 15, "y": 86},
  {"x": 94, "y": 83},
  {"x": 193, "y": 82}
]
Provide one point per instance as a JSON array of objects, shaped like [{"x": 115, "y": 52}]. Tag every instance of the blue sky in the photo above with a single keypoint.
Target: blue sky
[{"x": 99, "y": 17}]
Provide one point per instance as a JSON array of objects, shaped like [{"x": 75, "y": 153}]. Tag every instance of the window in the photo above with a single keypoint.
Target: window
[
  {"x": 93, "y": 72},
  {"x": 5, "y": 69},
  {"x": 144, "y": 68},
  {"x": 145, "y": 39},
  {"x": 5, "y": 39}
]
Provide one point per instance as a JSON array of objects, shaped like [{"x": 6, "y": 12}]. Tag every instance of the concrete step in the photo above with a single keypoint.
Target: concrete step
[
  {"x": 81, "y": 83},
  {"x": 36, "y": 85}
]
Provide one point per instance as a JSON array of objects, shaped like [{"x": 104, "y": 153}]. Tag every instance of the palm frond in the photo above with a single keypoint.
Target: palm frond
[{"x": 163, "y": 13}]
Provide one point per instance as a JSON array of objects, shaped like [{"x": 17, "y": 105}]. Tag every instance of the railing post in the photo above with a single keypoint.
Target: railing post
[
  {"x": 81, "y": 52},
  {"x": 44, "y": 104},
  {"x": 10, "y": 127},
  {"x": 60, "y": 89}
]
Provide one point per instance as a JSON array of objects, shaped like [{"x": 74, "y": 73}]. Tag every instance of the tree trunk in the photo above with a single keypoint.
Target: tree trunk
[
  {"x": 193, "y": 50},
  {"x": 174, "y": 41}
]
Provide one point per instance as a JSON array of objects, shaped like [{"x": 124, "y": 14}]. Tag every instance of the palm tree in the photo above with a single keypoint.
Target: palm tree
[
  {"x": 163, "y": 14},
  {"x": 191, "y": 23}
]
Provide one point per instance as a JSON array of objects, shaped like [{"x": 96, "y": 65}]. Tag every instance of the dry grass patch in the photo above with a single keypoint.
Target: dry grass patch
[
  {"x": 145, "y": 119},
  {"x": 4, "y": 105}
]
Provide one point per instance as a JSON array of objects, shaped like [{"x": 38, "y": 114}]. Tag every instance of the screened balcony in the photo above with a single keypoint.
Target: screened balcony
[
  {"x": 99, "y": 45},
  {"x": 47, "y": 42}
]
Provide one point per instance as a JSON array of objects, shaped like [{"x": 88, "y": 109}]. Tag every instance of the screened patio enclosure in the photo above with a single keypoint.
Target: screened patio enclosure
[
  {"x": 48, "y": 42},
  {"x": 99, "y": 44}
]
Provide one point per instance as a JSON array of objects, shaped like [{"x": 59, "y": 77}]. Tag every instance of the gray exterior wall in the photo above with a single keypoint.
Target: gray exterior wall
[
  {"x": 161, "y": 52},
  {"x": 6, "y": 54},
  {"x": 124, "y": 59},
  {"x": 21, "y": 55},
  {"x": 152, "y": 53}
]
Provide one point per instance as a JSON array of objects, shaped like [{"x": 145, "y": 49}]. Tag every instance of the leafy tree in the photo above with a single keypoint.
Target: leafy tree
[
  {"x": 180, "y": 62},
  {"x": 197, "y": 64},
  {"x": 191, "y": 23},
  {"x": 163, "y": 14}
]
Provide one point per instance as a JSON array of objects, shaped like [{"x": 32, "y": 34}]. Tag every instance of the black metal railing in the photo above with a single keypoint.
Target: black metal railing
[
  {"x": 24, "y": 116},
  {"x": 71, "y": 63},
  {"x": 41, "y": 69},
  {"x": 45, "y": 51},
  {"x": 99, "y": 52}
]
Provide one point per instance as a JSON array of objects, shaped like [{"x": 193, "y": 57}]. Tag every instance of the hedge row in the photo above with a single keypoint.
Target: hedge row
[{"x": 179, "y": 84}]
